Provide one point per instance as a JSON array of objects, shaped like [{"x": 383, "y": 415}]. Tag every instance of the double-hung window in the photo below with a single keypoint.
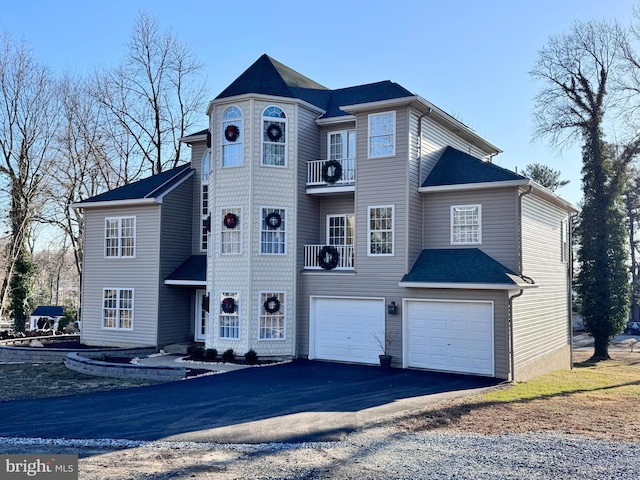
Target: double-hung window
[
  {"x": 466, "y": 224},
  {"x": 382, "y": 134},
  {"x": 272, "y": 316},
  {"x": 380, "y": 230},
  {"x": 231, "y": 233},
  {"x": 119, "y": 237},
  {"x": 117, "y": 308},
  {"x": 564, "y": 241},
  {"x": 273, "y": 231},
  {"x": 232, "y": 137},
  {"x": 229, "y": 317},
  {"x": 274, "y": 137}
]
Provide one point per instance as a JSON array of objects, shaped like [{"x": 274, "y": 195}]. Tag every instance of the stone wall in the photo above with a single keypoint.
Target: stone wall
[{"x": 80, "y": 363}]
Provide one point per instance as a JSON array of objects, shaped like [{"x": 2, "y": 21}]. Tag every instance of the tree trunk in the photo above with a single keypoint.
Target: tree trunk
[{"x": 600, "y": 348}]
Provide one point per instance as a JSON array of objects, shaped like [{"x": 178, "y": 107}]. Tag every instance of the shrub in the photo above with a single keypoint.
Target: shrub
[
  {"x": 196, "y": 352},
  {"x": 229, "y": 355},
  {"x": 66, "y": 323},
  {"x": 210, "y": 354},
  {"x": 251, "y": 357}
]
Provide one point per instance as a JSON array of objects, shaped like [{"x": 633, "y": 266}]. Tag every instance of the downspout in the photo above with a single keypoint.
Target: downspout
[
  {"x": 520, "y": 269},
  {"x": 420, "y": 146},
  {"x": 512, "y": 359}
]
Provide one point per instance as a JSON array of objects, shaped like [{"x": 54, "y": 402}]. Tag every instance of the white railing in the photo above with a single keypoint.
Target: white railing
[
  {"x": 314, "y": 172},
  {"x": 345, "y": 257}
]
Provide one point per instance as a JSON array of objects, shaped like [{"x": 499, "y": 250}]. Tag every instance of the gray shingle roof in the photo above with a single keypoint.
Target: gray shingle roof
[
  {"x": 150, "y": 187},
  {"x": 270, "y": 77},
  {"x": 459, "y": 265},
  {"x": 193, "y": 268},
  {"x": 455, "y": 167}
]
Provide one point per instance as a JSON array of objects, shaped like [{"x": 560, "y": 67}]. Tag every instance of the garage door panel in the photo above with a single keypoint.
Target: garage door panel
[
  {"x": 345, "y": 329},
  {"x": 450, "y": 336}
]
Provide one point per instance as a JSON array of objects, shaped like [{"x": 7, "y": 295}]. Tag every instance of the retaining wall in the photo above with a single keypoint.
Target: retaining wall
[
  {"x": 10, "y": 352},
  {"x": 80, "y": 363}
]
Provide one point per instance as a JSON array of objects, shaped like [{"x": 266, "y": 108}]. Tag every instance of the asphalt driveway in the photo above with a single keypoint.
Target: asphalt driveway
[{"x": 298, "y": 401}]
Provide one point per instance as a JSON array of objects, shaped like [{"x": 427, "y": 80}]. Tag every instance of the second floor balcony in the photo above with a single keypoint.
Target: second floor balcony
[
  {"x": 326, "y": 175},
  {"x": 315, "y": 257}
]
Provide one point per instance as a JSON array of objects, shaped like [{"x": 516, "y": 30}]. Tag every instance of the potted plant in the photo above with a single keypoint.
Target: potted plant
[{"x": 385, "y": 340}]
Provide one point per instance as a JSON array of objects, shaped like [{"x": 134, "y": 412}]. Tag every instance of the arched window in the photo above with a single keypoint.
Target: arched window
[
  {"x": 232, "y": 136},
  {"x": 274, "y": 137}
]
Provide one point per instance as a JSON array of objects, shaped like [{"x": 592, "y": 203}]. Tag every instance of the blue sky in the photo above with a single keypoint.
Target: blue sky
[{"x": 470, "y": 58}]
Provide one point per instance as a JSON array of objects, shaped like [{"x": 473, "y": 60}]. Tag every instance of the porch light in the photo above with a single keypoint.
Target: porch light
[{"x": 392, "y": 308}]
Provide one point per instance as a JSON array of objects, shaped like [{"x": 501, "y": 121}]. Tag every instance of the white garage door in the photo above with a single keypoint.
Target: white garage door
[
  {"x": 345, "y": 329},
  {"x": 450, "y": 336}
]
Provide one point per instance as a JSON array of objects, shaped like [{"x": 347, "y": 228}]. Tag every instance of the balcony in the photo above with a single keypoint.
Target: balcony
[
  {"x": 346, "y": 255},
  {"x": 317, "y": 173}
]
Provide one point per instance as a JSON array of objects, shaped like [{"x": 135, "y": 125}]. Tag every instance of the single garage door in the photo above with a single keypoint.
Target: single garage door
[
  {"x": 345, "y": 329},
  {"x": 450, "y": 336}
]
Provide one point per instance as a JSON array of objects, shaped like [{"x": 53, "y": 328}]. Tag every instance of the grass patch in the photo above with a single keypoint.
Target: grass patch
[
  {"x": 599, "y": 400},
  {"x": 26, "y": 381}
]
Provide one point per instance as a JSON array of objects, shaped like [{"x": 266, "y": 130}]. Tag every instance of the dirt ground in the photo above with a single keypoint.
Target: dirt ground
[{"x": 611, "y": 414}]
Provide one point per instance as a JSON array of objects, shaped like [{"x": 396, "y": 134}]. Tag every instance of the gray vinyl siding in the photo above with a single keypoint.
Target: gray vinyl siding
[
  {"x": 307, "y": 223},
  {"x": 499, "y": 221},
  {"x": 140, "y": 274},
  {"x": 541, "y": 316},
  {"x": 174, "y": 310}
]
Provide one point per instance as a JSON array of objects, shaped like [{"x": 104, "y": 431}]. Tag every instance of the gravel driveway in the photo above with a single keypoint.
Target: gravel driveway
[{"x": 380, "y": 453}]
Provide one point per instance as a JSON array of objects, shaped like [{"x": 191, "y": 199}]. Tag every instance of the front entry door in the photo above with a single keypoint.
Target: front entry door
[{"x": 202, "y": 318}]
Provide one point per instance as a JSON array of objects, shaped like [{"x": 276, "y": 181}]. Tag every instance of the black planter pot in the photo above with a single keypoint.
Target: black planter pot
[{"x": 385, "y": 360}]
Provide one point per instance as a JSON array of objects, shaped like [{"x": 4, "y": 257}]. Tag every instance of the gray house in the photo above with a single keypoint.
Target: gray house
[{"x": 333, "y": 225}]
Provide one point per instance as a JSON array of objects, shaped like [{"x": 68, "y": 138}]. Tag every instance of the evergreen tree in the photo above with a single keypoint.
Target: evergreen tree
[{"x": 21, "y": 285}]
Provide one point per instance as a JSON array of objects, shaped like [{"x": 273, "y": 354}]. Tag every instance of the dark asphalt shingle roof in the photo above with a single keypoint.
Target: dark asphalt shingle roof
[
  {"x": 455, "y": 167},
  {"x": 48, "y": 311},
  {"x": 458, "y": 265},
  {"x": 150, "y": 187},
  {"x": 193, "y": 268},
  {"x": 270, "y": 77}
]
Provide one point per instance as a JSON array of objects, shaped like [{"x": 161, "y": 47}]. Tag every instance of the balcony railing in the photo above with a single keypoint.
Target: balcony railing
[
  {"x": 312, "y": 260},
  {"x": 314, "y": 173}
]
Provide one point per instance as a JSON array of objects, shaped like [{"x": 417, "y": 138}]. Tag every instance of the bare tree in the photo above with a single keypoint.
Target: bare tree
[
  {"x": 579, "y": 70},
  {"x": 28, "y": 121},
  {"x": 151, "y": 99}
]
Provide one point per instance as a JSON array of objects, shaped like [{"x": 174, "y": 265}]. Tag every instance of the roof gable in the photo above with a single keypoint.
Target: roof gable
[
  {"x": 148, "y": 188},
  {"x": 455, "y": 168},
  {"x": 459, "y": 265},
  {"x": 269, "y": 77}
]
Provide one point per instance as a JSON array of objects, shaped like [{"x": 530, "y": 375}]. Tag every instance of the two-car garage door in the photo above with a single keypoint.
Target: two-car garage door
[
  {"x": 449, "y": 336},
  {"x": 444, "y": 335}
]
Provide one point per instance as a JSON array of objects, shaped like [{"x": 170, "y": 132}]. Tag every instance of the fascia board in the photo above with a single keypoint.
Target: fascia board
[
  {"x": 187, "y": 283},
  {"x": 466, "y": 286},
  {"x": 474, "y": 186},
  {"x": 117, "y": 203}
]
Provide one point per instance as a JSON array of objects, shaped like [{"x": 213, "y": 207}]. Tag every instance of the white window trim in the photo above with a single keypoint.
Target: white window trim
[
  {"x": 133, "y": 309},
  {"x": 225, "y": 142},
  {"x": 284, "y": 315},
  {"x": 284, "y": 120},
  {"x": 393, "y": 153},
  {"x": 286, "y": 219},
  {"x": 135, "y": 237},
  {"x": 236, "y": 314},
  {"x": 240, "y": 223},
  {"x": 346, "y": 132},
  {"x": 393, "y": 231},
  {"x": 451, "y": 215},
  {"x": 346, "y": 216},
  {"x": 564, "y": 241}
]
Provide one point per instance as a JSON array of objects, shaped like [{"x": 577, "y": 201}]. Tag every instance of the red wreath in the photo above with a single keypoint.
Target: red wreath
[
  {"x": 231, "y": 133},
  {"x": 230, "y": 220},
  {"x": 228, "y": 305}
]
